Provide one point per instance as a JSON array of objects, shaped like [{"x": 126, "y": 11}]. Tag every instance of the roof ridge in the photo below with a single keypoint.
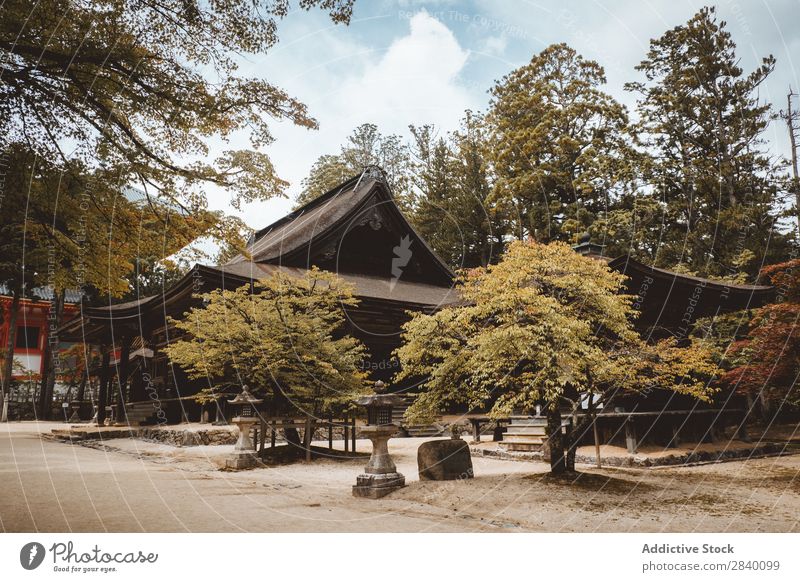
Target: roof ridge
[{"x": 297, "y": 212}]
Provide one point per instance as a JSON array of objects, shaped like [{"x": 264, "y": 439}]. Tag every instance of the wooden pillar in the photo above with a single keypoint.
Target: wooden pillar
[
  {"x": 630, "y": 435},
  {"x": 307, "y": 436},
  {"x": 353, "y": 434},
  {"x": 330, "y": 432},
  {"x": 598, "y": 463},
  {"x": 676, "y": 434},
  {"x": 346, "y": 423},
  {"x": 122, "y": 379},
  {"x": 476, "y": 430},
  {"x": 102, "y": 397},
  {"x": 262, "y": 427}
]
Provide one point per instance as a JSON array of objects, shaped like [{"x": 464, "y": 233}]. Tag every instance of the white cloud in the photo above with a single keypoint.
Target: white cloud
[
  {"x": 414, "y": 80},
  {"x": 495, "y": 45}
]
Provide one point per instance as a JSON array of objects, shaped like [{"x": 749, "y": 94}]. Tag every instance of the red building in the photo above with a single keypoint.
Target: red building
[{"x": 32, "y": 326}]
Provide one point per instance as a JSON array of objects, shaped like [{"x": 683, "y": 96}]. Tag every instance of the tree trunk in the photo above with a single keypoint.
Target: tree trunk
[
  {"x": 555, "y": 441},
  {"x": 308, "y": 436},
  {"x": 292, "y": 437},
  {"x": 571, "y": 444},
  {"x": 50, "y": 354},
  {"x": 82, "y": 387},
  {"x": 8, "y": 363}
]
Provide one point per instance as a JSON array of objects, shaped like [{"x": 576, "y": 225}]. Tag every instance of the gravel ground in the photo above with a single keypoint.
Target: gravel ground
[{"x": 131, "y": 485}]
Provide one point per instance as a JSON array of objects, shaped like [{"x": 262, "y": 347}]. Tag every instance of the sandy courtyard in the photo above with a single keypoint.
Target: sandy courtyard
[{"x": 131, "y": 485}]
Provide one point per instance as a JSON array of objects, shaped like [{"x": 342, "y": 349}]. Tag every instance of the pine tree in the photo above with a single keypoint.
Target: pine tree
[
  {"x": 364, "y": 147},
  {"x": 712, "y": 186},
  {"x": 559, "y": 146}
]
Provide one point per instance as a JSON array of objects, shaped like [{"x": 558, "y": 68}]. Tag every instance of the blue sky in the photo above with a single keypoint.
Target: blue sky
[{"x": 407, "y": 61}]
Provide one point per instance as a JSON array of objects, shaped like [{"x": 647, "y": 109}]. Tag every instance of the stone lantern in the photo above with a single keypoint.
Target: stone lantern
[
  {"x": 380, "y": 476},
  {"x": 244, "y": 452}
]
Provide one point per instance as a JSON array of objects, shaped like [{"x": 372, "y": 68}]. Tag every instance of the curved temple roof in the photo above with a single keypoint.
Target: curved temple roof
[{"x": 314, "y": 232}]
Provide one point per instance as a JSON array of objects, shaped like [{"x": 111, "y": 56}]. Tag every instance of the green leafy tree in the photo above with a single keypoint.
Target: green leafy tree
[
  {"x": 451, "y": 181},
  {"x": 283, "y": 339},
  {"x": 365, "y": 146},
  {"x": 559, "y": 146},
  {"x": 142, "y": 86},
  {"x": 76, "y": 229},
  {"x": 544, "y": 326},
  {"x": 711, "y": 202}
]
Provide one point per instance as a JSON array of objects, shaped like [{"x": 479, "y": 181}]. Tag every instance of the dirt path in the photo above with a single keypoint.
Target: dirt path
[{"x": 136, "y": 486}]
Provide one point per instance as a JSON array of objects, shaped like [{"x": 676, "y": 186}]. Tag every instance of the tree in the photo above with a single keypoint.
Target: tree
[
  {"x": 451, "y": 207},
  {"x": 365, "y": 146},
  {"x": 544, "y": 326},
  {"x": 154, "y": 275},
  {"x": 74, "y": 228},
  {"x": 142, "y": 86},
  {"x": 712, "y": 182},
  {"x": 284, "y": 340},
  {"x": 766, "y": 362},
  {"x": 558, "y": 145}
]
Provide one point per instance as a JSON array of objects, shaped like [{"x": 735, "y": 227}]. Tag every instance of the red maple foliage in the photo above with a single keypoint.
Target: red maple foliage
[{"x": 768, "y": 359}]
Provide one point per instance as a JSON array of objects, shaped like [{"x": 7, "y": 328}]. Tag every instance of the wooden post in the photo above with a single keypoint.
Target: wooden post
[
  {"x": 353, "y": 434},
  {"x": 598, "y": 464},
  {"x": 330, "y": 431},
  {"x": 346, "y": 424},
  {"x": 307, "y": 437},
  {"x": 102, "y": 397},
  {"x": 630, "y": 436},
  {"x": 274, "y": 429},
  {"x": 262, "y": 427},
  {"x": 676, "y": 434},
  {"x": 476, "y": 430},
  {"x": 122, "y": 379}
]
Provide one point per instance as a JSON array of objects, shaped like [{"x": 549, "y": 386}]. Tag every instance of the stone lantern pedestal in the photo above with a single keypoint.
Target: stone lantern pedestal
[
  {"x": 244, "y": 454},
  {"x": 380, "y": 476},
  {"x": 244, "y": 451}
]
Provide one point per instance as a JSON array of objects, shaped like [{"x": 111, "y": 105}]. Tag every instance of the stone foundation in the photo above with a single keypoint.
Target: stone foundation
[
  {"x": 178, "y": 437},
  {"x": 377, "y": 486}
]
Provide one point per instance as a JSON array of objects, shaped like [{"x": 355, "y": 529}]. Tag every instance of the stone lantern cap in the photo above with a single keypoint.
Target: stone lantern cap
[
  {"x": 244, "y": 397},
  {"x": 380, "y": 398}
]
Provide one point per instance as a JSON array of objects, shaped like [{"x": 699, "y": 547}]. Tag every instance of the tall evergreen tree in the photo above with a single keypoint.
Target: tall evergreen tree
[
  {"x": 452, "y": 209},
  {"x": 712, "y": 185},
  {"x": 365, "y": 146},
  {"x": 559, "y": 146}
]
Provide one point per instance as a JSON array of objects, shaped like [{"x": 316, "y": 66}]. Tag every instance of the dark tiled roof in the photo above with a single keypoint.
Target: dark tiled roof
[
  {"x": 301, "y": 226},
  {"x": 46, "y": 293},
  {"x": 624, "y": 262},
  {"x": 366, "y": 286}
]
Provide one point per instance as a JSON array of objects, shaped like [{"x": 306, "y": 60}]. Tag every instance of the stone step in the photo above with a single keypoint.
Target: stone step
[
  {"x": 528, "y": 421},
  {"x": 533, "y": 430},
  {"x": 521, "y": 447},
  {"x": 516, "y": 438},
  {"x": 423, "y": 431}
]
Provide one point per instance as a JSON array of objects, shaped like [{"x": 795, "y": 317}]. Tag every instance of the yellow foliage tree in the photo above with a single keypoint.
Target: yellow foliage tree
[{"x": 545, "y": 326}]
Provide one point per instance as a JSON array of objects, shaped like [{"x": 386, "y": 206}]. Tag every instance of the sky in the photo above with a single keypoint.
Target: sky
[{"x": 404, "y": 62}]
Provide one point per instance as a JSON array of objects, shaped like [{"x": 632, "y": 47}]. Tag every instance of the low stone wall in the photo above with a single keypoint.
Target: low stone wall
[
  {"x": 643, "y": 460},
  {"x": 181, "y": 437},
  {"x": 685, "y": 459}
]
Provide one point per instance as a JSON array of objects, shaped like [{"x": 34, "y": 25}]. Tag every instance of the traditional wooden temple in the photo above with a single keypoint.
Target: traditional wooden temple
[{"x": 357, "y": 231}]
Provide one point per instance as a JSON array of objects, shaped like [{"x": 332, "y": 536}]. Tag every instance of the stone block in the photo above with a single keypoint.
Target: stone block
[
  {"x": 377, "y": 486},
  {"x": 444, "y": 460}
]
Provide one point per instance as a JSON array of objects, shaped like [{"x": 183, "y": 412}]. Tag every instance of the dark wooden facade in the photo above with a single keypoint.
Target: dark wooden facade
[{"x": 357, "y": 231}]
